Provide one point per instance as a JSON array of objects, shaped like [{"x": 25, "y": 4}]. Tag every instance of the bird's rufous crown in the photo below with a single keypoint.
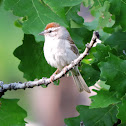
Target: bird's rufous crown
[{"x": 51, "y": 25}]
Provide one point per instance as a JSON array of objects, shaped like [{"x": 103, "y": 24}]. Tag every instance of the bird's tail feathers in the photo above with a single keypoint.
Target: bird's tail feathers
[{"x": 80, "y": 83}]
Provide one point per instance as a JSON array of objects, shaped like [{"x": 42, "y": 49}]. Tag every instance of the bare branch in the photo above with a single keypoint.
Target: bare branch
[{"x": 46, "y": 81}]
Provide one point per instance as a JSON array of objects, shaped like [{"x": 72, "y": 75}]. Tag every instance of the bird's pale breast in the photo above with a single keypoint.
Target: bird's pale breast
[{"x": 58, "y": 53}]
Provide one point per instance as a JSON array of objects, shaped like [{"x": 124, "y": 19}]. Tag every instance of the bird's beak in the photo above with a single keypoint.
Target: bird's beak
[{"x": 42, "y": 33}]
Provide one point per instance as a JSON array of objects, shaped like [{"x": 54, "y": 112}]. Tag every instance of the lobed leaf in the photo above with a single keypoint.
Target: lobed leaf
[
  {"x": 41, "y": 12},
  {"x": 33, "y": 63},
  {"x": 118, "y": 8},
  {"x": 11, "y": 114},
  {"x": 88, "y": 74},
  {"x": 101, "y": 52},
  {"x": 118, "y": 41},
  {"x": 95, "y": 117},
  {"x": 103, "y": 99},
  {"x": 114, "y": 72},
  {"x": 103, "y": 17},
  {"x": 80, "y": 36},
  {"x": 121, "y": 110}
]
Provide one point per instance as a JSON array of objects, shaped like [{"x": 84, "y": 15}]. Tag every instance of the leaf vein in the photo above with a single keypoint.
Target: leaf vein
[
  {"x": 104, "y": 115},
  {"x": 68, "y": 10},
  {"x": 37, "y": 12}
]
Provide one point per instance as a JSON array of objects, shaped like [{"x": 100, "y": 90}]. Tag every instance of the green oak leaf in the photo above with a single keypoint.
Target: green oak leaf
[
  {"x": 62, "y": 3},
  {"x": 121, "y": 111},
  {"x": 74, "y": 24},
  {"x": 33, "y": 63},
  {"x": 103, "y": 99},
  {"x": 41, "y": 12},
  {"x": 114, "y": 72},
  {"x": 103, "y": 18},
  {"x": 94, "y": 117},
  {"x": 88, "y": 3},
  {"x": 11, "y": 114},
  {"x": 122, "y": 17},
  {"x": 88, "y": 73},
  {"x": 102, "y": 85},
  {"x": 89, "y": 59},
  {"x": 118, "y": 8},
  {"x": 80, "y": 36},
  {"x": 38, "y": 13},
  {"x": 71, "y": 14},
  {"x": 103, "y": 34},
  {"x": 108, "y": 30},
  {"x": 115, "y": 7},
  {"x": 118, "y": 41},
  {"x": 101, "y": 52},
  {"x": 66, "y": 9},
  {"x": 98, "y": 3},
  {"x": 94, "y": 3},
  {"x": 56, "y": 82},
  {"x": 100, "y": 55}
]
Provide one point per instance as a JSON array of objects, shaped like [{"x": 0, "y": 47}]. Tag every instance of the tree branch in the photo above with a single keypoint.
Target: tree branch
[{"x": 46, "y": 81}]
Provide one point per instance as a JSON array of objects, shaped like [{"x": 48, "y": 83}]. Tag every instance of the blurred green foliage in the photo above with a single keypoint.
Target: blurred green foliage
[{"x": 10, "y": 38}]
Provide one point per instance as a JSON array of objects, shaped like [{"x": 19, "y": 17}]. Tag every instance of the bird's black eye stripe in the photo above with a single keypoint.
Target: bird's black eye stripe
[{"x": 50, "y": 31}]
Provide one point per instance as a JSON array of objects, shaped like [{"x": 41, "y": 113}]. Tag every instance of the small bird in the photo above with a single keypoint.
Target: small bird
[{"x": 60, "y": 51}]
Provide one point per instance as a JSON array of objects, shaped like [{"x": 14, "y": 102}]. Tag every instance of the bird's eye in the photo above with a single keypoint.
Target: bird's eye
[{"x": 50, "y": 31}]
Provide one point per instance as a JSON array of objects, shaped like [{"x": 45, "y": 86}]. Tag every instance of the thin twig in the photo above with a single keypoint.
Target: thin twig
[{"x": 46, "y": 81}]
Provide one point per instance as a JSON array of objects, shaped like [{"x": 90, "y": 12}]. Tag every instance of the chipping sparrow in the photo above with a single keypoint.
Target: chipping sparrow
[{"x": 60, "y": 51}]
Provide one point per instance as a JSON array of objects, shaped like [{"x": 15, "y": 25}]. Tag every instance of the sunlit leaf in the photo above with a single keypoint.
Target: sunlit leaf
[
  {"x": 103, "y": 18},
  {"x": 103, "y": 99}
]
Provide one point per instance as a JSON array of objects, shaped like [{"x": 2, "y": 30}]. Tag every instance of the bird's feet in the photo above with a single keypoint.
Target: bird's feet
[
  {"x": 52, "y": 78},
  {"x": 53, "y": 75}
]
